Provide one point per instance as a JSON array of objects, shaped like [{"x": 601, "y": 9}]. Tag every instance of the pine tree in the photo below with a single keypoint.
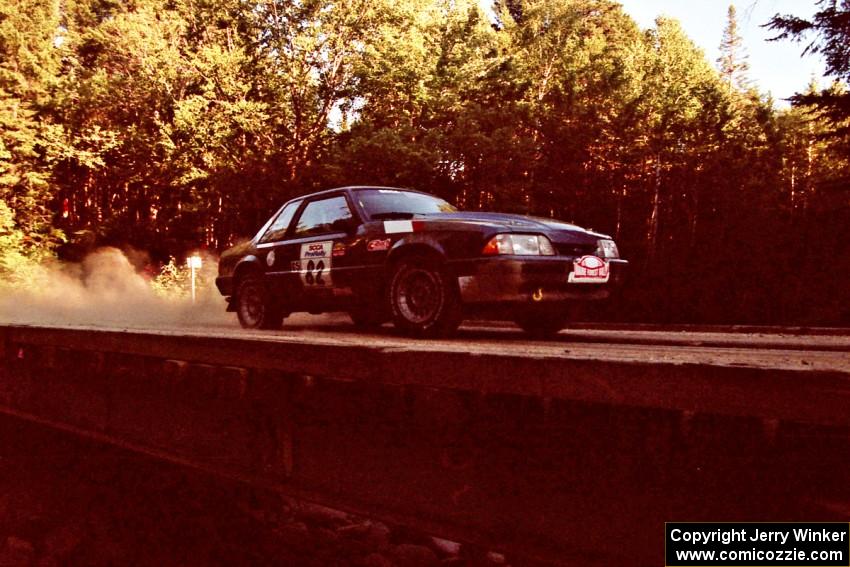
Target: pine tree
[
  {"x": 830, "y": 27},
  {"x": 733, "y": 58}
]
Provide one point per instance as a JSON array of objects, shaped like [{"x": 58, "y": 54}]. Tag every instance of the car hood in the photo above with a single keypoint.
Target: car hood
[{"x": 517, "y": 223}]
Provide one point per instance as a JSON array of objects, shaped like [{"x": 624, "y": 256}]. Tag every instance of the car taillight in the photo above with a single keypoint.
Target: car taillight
[
  {"x": 519, "y": 245},
  {"x": 499, "y": 244}
]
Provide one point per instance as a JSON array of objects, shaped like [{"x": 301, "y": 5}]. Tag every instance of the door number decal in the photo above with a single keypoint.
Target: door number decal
[
  {"x": 315, "y": 268},
  {"x": 314, "y": 272}
]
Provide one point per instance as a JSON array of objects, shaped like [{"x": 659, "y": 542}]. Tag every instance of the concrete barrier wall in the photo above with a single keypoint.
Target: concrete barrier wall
[{"x": 580, "y": 461}]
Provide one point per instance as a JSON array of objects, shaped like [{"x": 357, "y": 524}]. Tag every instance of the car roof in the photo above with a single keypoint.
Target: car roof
[
  {"x": 347, "y": 189},
  {"x": 352, "y": 188}
]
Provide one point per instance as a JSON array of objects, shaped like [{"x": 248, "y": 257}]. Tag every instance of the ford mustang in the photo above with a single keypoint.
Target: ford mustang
[{"x": 385, "y": 254}]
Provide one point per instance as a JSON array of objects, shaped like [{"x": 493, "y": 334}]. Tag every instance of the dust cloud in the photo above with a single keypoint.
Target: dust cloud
[{"x": 106, "y": 289}]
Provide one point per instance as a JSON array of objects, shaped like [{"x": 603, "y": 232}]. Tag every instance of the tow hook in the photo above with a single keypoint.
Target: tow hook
[{"x": 538, "y": 294}]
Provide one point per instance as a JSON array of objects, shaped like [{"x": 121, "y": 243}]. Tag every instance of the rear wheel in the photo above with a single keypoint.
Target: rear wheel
[
  {"x": 423, "y": 298},
  {"x": 254, "y": 306}
]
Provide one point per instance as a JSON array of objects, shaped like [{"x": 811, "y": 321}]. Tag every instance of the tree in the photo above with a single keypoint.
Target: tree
[
  {"x": 28, "y": 63},
  {"x": 830, "y": 27},
  {"x": 425, "y": 104},
  {"x": 208, "y": 113},
  {"x": 680, "y": 105},
  {"x": 173, "y": 124},
  {"x": 733, "y": 59}
]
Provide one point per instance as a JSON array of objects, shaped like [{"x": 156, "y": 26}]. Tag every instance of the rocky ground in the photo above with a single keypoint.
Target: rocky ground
[{"x": 67, "y": 502}]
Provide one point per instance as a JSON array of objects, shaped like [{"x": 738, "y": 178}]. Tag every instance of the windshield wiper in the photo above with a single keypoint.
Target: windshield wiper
[{"x": 392, "y": 215}]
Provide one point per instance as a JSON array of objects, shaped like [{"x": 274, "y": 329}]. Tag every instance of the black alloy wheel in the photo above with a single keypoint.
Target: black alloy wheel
[
  {"x": 254, "y": 306},
  {"x": 423, "y": 298}
]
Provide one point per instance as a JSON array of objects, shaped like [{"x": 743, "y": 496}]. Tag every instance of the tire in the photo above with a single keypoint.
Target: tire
[
  {"x": 423, "y": 299},
  {"x": 543, "y": 324},
  {"x": 254, "y": 306}
]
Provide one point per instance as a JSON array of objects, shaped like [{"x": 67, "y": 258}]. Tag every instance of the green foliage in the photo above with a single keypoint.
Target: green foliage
[
  {"x": 174, "y": 124},
  {"x": 174, "y": 281},
  {"x": 733, "y": 59},
  {"x": 17, "y": 268},
  {"x": 828, "y": 34},
  {"x": 28, "y": 65}
]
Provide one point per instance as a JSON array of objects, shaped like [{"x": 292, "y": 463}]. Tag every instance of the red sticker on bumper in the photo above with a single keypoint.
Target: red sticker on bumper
[
  {"x": 590, "y": 269},
  {"x": 378, "y": 245}
]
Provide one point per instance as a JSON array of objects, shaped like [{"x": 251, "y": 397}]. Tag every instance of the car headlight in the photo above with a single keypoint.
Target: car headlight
[
  {"x": 519, "y": 245},
  {"x": 607, "y": 249}
]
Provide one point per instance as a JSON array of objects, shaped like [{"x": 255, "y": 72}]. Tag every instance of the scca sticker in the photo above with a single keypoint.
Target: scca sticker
[
  {"x": 378, "y": 245},
  {"x": 315, "y": 250},
  {"x": 339, "y": 249},
  {"x": 315, "y": 264}
]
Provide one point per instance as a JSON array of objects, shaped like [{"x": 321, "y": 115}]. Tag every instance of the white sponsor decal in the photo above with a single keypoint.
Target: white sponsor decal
[
  {"x": 396, "y": 226},
  {"x": 316, "y": 263},
  {"x": 589, "y": 269},
  {"x": 467, "y": 285}
]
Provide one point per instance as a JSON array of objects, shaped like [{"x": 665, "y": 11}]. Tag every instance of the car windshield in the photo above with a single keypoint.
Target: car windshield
[{"x": 394, "y": 203}]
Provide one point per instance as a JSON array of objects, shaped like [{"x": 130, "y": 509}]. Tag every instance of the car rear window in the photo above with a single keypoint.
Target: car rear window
[{"x": 322, "y": 217}]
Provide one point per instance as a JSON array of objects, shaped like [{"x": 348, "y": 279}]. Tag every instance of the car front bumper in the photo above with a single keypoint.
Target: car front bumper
[
  {"x": 513, "y": 279},
  {"x": 224, "y": 285}
]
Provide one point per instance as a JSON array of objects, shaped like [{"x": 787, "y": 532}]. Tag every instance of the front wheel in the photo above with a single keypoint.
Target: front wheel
[
  {"x": 423, "y": 298},
  {"x": 254, "y": 306}
]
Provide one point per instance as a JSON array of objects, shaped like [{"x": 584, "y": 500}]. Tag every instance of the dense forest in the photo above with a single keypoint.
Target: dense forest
[{"x": 169, "y": 125}]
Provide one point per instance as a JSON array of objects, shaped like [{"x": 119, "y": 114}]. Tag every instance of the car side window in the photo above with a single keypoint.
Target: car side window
[
  {"x": 277, "y": 229},
  {"x": 324, "y": 216}
]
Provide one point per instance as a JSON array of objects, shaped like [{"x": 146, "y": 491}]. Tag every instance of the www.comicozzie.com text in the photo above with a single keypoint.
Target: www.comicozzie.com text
[{"x": 726, "y": 536}]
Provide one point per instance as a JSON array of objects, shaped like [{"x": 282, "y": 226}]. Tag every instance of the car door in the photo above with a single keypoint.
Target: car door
[
  {"x": 271, "y": 251},
  {"x": 316, "y": 245}
]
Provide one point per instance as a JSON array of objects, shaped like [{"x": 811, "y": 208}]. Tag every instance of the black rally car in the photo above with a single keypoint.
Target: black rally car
[{"x": 381, "y": 254}]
